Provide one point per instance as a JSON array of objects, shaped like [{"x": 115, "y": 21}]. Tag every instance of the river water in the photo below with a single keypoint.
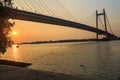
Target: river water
[{"x": 99, "y": 60}]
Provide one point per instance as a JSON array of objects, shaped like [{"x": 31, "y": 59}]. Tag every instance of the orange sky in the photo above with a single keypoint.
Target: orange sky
[{"x": 31, "y": 31}]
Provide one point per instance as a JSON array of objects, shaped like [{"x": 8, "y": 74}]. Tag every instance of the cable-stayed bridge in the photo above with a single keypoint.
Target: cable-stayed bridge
[{"x": 42, "y": 12}]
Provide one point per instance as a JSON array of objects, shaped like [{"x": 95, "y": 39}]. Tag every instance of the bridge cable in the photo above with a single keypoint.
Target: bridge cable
[
  {"x": 47, "y": 12},
  {"x": 59, "y": 11},
  {"x": 64, "y": 10},
  {"x": 37, "y": 6},
  {"x": 109, "y": 24},
  {"x": 23, "y": 4},
  {"x": 47, "y": 8},
  {"x": 40, "y": 7},
  {"x": 33, "y": 5},
  {"x": 50, "y": 7},
  {"x": 102, "y": 25},
  {"x": 90, "y": 19},
  {"x": 28, "y": 5},
  {"x": 18, "y": 4},
  {"x": 68, "y": 13},
  {"x": 56, "y": 11}
]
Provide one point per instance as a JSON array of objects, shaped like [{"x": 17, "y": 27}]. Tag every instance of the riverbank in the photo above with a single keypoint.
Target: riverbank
[
  {"x": 66, "y": 41},
  {"x": 17, "y": 73}
]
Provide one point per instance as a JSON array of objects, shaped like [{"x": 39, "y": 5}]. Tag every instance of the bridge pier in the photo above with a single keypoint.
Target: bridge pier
[
  {"x": 105, "y": 24},
  {"x": 96, "y": 24}
]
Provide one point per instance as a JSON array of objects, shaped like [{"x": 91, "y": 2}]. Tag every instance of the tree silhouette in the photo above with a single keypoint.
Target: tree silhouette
[{"x": 5, "y": 38}]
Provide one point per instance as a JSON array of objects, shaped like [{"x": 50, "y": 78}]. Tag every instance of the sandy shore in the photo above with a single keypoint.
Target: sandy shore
[{"x": 17, "y": 73}]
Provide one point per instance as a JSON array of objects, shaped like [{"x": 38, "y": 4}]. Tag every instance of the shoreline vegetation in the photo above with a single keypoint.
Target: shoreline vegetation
[{"x": 65, "y": 41}]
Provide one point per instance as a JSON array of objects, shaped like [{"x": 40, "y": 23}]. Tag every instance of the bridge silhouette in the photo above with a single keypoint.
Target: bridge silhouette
[{"x": 6, "y": 10}]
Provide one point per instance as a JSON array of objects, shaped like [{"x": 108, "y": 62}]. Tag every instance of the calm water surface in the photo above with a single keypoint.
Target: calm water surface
[{"x": 99, "y": 60}]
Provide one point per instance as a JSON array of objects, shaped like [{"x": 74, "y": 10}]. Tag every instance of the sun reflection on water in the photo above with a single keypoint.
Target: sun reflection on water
[{"x": 15, "y": 54}]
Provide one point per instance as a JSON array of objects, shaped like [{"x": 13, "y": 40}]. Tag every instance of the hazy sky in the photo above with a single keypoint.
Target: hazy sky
[{"x": 82, "y": 10}]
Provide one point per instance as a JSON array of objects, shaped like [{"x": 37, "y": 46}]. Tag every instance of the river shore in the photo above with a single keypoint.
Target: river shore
[{"x": 18, "y": 73}]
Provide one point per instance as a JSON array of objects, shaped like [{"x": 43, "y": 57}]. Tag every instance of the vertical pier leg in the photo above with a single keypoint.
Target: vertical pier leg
[
  {"x": 96, "y": 24},
  {"x": 104, "y": 13}
]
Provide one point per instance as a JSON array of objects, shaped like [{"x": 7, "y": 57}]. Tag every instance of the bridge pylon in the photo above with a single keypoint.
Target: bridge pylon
[{"x": 97, "y": 22}]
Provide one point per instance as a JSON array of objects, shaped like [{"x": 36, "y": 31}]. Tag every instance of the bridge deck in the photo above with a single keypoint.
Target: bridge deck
[{"x": 30, "y": 16}]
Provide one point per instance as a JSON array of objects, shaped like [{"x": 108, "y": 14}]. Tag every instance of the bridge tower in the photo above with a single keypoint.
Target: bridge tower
[{"x": 105, "y": 24}]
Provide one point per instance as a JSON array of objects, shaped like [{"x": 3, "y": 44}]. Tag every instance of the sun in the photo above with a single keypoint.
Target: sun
[{"x": 14, "y": 33}]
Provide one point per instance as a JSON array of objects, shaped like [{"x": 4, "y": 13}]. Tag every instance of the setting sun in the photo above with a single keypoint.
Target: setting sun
[{"x": 14, "y": 33}]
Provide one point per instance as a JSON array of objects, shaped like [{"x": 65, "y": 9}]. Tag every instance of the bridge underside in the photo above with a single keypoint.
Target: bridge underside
[{"x": 29, "y": 16}]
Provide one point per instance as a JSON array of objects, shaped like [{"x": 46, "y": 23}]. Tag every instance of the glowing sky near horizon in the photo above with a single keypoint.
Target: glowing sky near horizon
[{"x": 31, "y": 31}]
